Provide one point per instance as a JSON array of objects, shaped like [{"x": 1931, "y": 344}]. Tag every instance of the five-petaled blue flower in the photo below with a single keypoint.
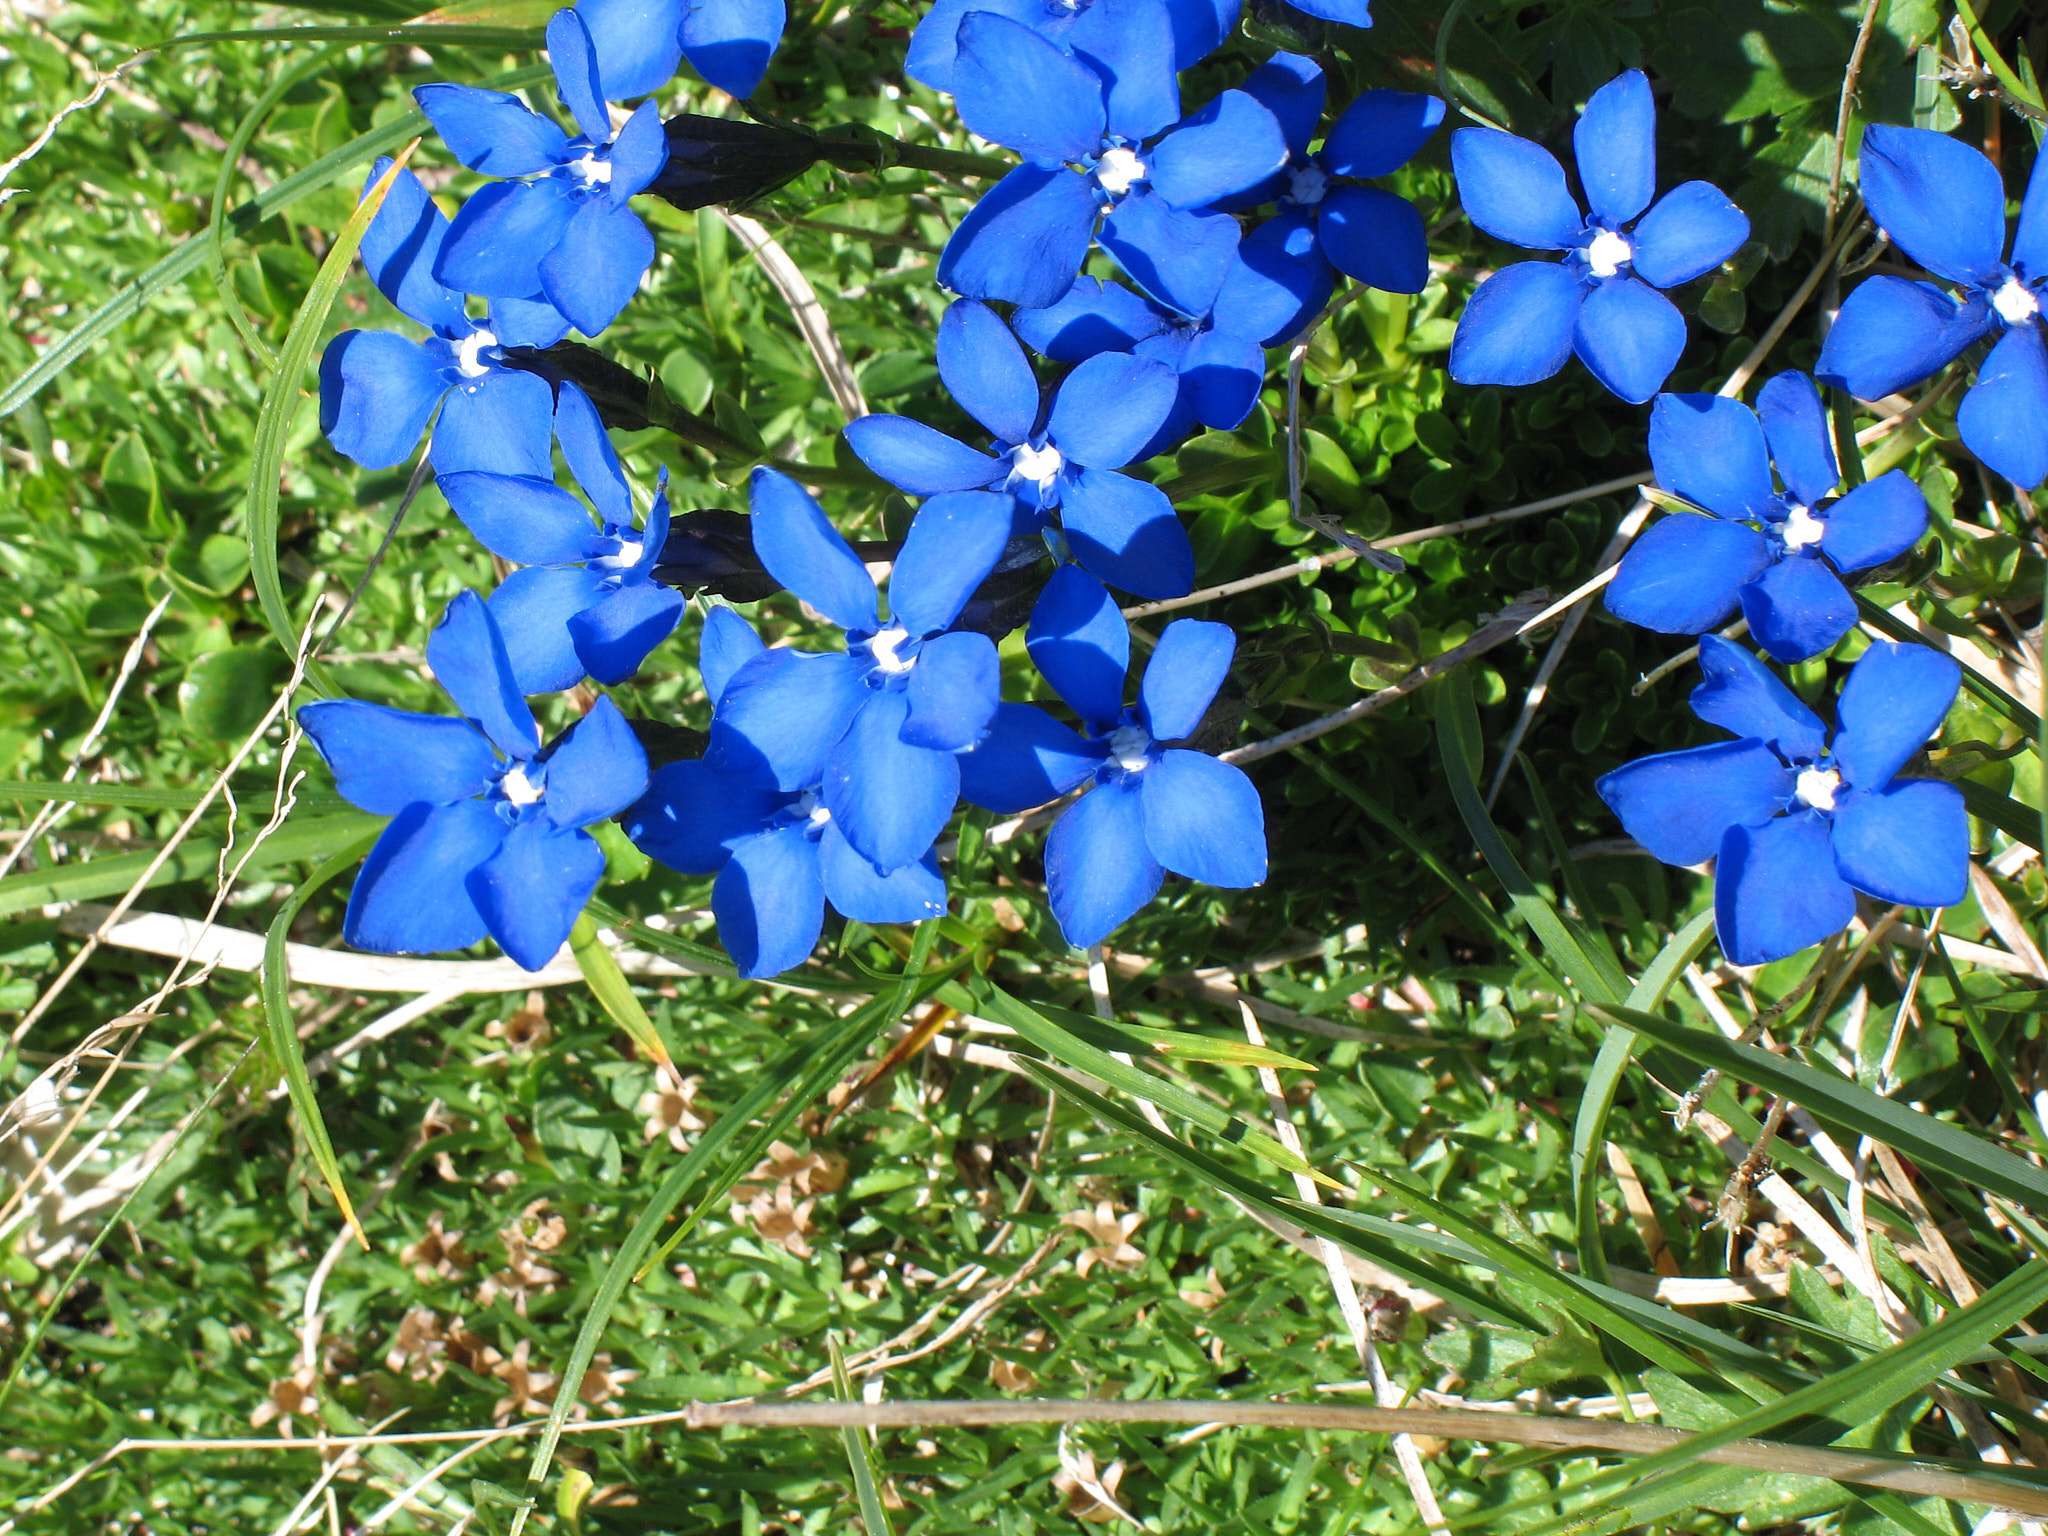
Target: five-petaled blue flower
[
  {"x": 587, "y": 600},
  {"x": 875, "y": 728},
  {"x": 1798, "y": 824},
  {"x": 1687, "y": 574},
  {"x": 1096, "y": 116},
  {"x": 1152, "y": 806},
  {"x": 728, "y": 42},
  {"x": 1063, "y": 455},
  {"x": 1943, "y": 204},
  {"x": 1601, "y": 301},
  {"x": 378, "y": 389},
  {"x": 480, "y": 841},
  {"x": 778, "y": 854},
  {"x": 562, "y": 227}
]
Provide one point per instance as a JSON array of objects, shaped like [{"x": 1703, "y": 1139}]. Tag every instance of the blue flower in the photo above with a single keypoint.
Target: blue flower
[
  {"x": 1687, "y": 574},
  {"x": 778, "y": 854},
  {"x": 872, "y": 729},
  {"x": 1096, "y": 117},
  {"x": 1064, "y": 456},
  {"x": 1198, "y": 27},
  {"x": 378, "y": 389},
  {"x": 639, "y": 42},
  {"x": 562, "y": 227},
  {"x": 480, "y": 841},
  {"x": 1601, "y": 301},
  {"x": 587, "y": 600},
  {"x": 1152, "y": 806},
  {"x": 1943, "y": 204},
  {"x": 1797, "y": 824}
]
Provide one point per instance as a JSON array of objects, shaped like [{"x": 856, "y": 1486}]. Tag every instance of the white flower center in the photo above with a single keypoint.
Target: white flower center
[
  {"x": 2015, "y": 302},
  {"x": 1802, "y": 528},
  {"x": 1608, "y": 253},
  {"x": 1128, "y": 746},
  {"x": 1816, "y": 787},
  {"x": 884, "y": 648},
  {"x": 630, "y": 551},
  {"x": 1118, "y": 169},
  {"x": 466, "y": 351},
  {"x": 1308, "y": 185},
  {"x": 1038, "y": 465},
  {"x": 517, "y": 787},
  {"x": 811, "y": 810},
  {"x": 590, "y": 170}
]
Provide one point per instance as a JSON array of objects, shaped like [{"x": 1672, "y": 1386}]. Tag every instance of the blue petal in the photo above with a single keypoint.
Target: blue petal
[
  {"x": 638, "y": 153},
  {"x": 1514, "y": 190},
  {"x": 1291, "y": 86},
  {"x": 953, "y": 544},
  {"x": 1080, "y": 641},
  {"x": 1279, "y": 280},
  {"x": 1375, "y": 237},
  {"x": 1203, "y": 820},
  {"x": 953, "y": 690},
  {"x": 595, "y": 769},
  {"x": 986, "y": 371},
  {"x": 1098, "y": 869},
  {"x": 1014, "y": 88},
  {"x": 1027, "y": 759},
  {"x": 1908, "y": 844},
  {"x": 919, "y": 459},
  {"x": 400, "y": 248},
  {"x": 1876, "y": 522},
  {"x": 1109, "y": 407},
  {"x": 1349, "y": 13},
  {"x": 1380, "y": 132},
  {"x": 1177, "y": 257},
  {"x": 588, "y": 452},
  {"x": 934, "y": 47},
  {"x": 2030, "y": 240},
  {"x": 1895, "y": 699},
  {"x": 1220, "y": 378},
  {"x": 532, "y": 890},
  {"x": 1129, "y": 43},
  {"x": 411, "y": 897},
  {"x": 1125, "y": 532},
  {"x": 692, "y": 816},
  {"x": 386, "y": 759},
  {"x": 1691, "y": 231},
  {"x": 615, "y": 635},
  {"x": 1187, "y": 667},
  {"x": 1630, "y": 336},
  {"x": 377, "y": 393},
  {"x": 2004, "y": 417},
  {"x": 1231, "y": 144},
  {"x": 1517, "y": 327},
  {"x": 857, "y": 890},
  {"x": 729, "y": 42},
  {"x": 1024, "y": 240},
  {"x": 492, "y": 132},
  {"x": 1615, "y": 143},
  {"x": 890, "y": 798},
  {"x": 1684, "y": 575},
  {"x": 806, "y": 554},
  {"x": 1090, "y": 317},
  {"x": 781, "y": 714},
  {"x": 1743, "y": 695},
  {"x": 523, "y": 518},
  {"x": 596, "y": 266},
  {"x": 498, "y": 424},
  {"x": 574, "y": 58},
  {"x": 1679, "y": 804},
  {"x": 533, "y": 608},
  {"x": 769, "y": 902},
  {"x": 1940, "y": 200},
  {"x": 638, "y": 44},
  {"x": 528, "y": 322},
  {"x": 496, "y": 243},
  {"x": 1776, "y": 890},
  {"x": 1199, "y": 28},
  {"x": 1711, "y": 450},
  {"x": 468, "y": 658},
  {"x": 1798, "y": 608},
  {"x": 727, "y": 643},
  {"x": 1891, "y": 333},
  {"x": 1802, "y": 440}
]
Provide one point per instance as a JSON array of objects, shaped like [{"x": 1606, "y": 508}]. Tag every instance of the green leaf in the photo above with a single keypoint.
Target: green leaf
[
  {"x": 225, "y": 693},
  {"x": 128, "y": 476},
  {"x": 609, "y": 986},
  {"x": 1181, "y": 1044},
  {"x": 860, "y": 1452}
]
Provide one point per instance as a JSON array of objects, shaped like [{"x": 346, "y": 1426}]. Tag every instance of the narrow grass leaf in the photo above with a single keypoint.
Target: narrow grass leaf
[
  {"x": 614, "y": 993},
  {"x": 860, "y": 1451}
]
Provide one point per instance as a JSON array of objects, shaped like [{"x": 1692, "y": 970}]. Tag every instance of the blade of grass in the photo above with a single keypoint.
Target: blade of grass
[
  {"x": 1589, "y": 924},
  {"x": 614, "y": 993},
  {"x": 1179, "y": 1044},
  {"x": 2021, "y": 822},
  {"x": 139, "y": 797},
  {"x": 468, "y": 37},
  {"x": 860, "y": 1451}
]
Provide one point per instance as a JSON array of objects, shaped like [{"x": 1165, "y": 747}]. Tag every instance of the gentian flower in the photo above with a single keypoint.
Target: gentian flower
[
  {"x": 1062, "y": 456},
  {"x": 1773, "y": 552},
  {"x": 874, "y": 728},
  {"x": 1152, "y": 806},
  {"x": 587, "y": 600},
  {"x": 378, "y": 389},
  {"x": 1601, "y": 301},
  {"x": 1097, "y": 120},
  {"x": 1797, "y": 824},
  {"x": 1943, "y": 204},
  {"x": 562, "y": 226},
  {"x": 1198, "y": 27},
  {"x": 480, "y": 840},
  {"x": 778, "y": 854},
  {"x": 639, "y": 42}
]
